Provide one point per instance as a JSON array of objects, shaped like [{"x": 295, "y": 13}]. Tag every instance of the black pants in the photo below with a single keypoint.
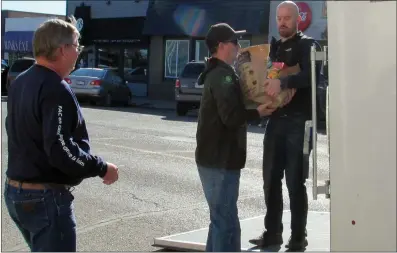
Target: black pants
[{"x": 283, "y": 151}]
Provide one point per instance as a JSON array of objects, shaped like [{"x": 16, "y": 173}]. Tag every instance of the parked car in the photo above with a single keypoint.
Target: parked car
[
  {"x": 4, "y": 73},
  {"x": 19, "y": 66},
  {"x": 99, "y": 86},
  {"x": 187, "y": 92}
]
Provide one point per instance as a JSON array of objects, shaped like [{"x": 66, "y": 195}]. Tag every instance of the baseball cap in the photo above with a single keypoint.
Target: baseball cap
[{"x": 222, "y": 32}]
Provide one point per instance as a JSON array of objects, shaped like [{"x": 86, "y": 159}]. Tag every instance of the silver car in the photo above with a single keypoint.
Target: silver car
[
  {"x": 99, "y": 86},
  {"x": 187, "y": 92}
]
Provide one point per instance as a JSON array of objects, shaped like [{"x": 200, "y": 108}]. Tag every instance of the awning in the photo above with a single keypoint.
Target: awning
[
  {"x": 193, "y": 18},
  {"x": 112, "y": 30},
  {"x": 18, "y": 41}
]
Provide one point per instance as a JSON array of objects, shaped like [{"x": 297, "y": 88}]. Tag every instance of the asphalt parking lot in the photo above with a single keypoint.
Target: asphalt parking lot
[{"x": 158, "y": 192}]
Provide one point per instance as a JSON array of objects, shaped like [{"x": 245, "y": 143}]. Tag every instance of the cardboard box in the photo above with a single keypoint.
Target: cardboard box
[{"x": 252, "y": 68}]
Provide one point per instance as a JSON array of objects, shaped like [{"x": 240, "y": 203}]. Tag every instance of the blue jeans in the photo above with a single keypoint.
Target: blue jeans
[
  {"x": 283, "y": 154},
  {"x": 221, "y": 189},
  {"x": 44, "y": 217}
]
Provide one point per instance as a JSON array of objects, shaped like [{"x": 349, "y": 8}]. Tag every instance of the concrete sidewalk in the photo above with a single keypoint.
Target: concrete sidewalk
[{"x": 153, "y": 103}]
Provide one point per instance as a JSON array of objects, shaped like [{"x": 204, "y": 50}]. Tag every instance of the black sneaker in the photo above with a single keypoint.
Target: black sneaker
[
  {"x": 266, "y": 240},
  {"x": 297, "y": 243}
]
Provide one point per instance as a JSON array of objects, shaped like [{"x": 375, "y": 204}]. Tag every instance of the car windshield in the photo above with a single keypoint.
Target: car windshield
[
  {"x": 21, "y": 65},
  {"x": 98, "y": 73},
  {"x": 193, "y": 70}
]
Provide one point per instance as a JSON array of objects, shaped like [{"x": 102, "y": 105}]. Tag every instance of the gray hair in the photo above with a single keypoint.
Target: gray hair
[{"x": 51, "y": 35}]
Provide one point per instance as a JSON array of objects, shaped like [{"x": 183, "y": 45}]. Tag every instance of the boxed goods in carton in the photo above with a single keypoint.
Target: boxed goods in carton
[{"x": 253, "y": 68}]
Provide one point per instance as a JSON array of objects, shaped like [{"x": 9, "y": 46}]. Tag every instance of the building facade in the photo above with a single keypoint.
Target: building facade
[
  {"x": 17, "y": 28},
  {"x": 177, "y": 30},
  {"x": 112, "y": 35},
  {"x": 150, "y": 41}
]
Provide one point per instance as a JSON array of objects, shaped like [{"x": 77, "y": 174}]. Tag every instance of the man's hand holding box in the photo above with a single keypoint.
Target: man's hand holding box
[{"x": 259, "y": 78}]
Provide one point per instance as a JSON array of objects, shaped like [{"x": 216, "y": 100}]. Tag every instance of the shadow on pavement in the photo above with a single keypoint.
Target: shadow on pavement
[
  {"x": 166, "y": 250},
  {"x": 170, "y": 115},
  {"x": 166, "y": 114},
  {"x": 274, "y": 248}
]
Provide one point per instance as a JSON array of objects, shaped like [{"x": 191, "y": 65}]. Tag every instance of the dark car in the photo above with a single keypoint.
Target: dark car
[
  {"x": 19, "y": 66},
  {"x": 4, "y": 72}
]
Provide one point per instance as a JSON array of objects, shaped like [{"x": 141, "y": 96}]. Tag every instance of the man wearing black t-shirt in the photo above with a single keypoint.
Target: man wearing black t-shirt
[
  {"x": 284, "y": 134},
  {"x": 48, "y": 144}
]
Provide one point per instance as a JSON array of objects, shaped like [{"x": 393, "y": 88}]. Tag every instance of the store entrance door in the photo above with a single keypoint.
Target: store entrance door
[{"x": 136, "y": 70}]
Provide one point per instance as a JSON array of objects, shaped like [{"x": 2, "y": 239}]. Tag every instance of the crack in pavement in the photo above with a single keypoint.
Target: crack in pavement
[
  {"x": 135, "y": 197},
  {"x": 130, "y": 216}
]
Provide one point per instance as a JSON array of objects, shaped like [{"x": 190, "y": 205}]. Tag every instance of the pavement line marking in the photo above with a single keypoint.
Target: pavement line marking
[
  {"x": 174, "y": 156},
  {"x": 148, "y": 151}
]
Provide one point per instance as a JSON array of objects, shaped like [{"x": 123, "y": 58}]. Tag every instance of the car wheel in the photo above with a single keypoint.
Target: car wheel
[
  {"x": 108, "y": 99},
  {"x": 129, "y": 100},
  {"x": 181, "y": 109}
]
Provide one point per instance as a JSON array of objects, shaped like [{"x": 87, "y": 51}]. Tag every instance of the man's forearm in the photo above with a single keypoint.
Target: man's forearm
[
  {"x": 296, "y": 81},
  {"x": 71, "y": 160}
]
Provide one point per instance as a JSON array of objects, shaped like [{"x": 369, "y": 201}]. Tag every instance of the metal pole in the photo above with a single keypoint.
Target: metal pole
[{"x": 314, "y": 118}]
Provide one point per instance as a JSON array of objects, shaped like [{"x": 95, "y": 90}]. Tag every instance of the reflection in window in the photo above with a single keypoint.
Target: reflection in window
[
  {"x": 176, "y": 57},
  {"x": 108, "y": 57},
  {"x": 135, "y": 57},
  {"x": 135, "y": 65},
  {"x": 202, "y": 50}
]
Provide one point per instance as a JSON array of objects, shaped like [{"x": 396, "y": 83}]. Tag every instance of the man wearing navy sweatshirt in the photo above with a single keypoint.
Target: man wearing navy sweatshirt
[{"x": 48, "y": 144}]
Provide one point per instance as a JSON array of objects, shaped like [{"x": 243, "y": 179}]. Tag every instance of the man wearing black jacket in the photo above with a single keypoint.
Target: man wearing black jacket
[
  {"x": 284, "y": 134},
  {"x": 48, "y": 144},
  {"x": 222, "y": 138}
]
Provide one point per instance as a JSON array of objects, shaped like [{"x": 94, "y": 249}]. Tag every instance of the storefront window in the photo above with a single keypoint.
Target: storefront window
[
  {"x": 135, "y": 65},
  {"x": 176, "y": 57},
  {"x": 108, "y": 57},
  {"x": 202, "y": 51},
  {"x": 135, "y": 57}
]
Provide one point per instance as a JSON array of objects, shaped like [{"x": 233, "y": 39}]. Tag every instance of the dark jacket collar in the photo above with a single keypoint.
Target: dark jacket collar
[{"x": 210, "y": 64}]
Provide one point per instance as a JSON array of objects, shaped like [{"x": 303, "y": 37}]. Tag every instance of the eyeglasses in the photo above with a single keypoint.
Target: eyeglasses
[{"x": 78, "y": 47}]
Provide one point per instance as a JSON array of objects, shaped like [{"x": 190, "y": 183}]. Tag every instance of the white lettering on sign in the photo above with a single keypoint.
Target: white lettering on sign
[
  {"x": 20, "y": 46},
  {"x": 303, "y": 15}
]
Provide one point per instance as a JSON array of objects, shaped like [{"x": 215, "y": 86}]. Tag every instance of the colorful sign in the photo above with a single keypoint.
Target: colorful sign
[
  {"x": 306, "y": 16},
  {"x": 17, "y": 41}
]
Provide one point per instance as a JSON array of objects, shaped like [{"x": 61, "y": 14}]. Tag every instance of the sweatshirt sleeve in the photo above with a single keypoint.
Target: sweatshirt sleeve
[
  {"x": 59, "y": 114},
  {"x": 228, "y": 99}
]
